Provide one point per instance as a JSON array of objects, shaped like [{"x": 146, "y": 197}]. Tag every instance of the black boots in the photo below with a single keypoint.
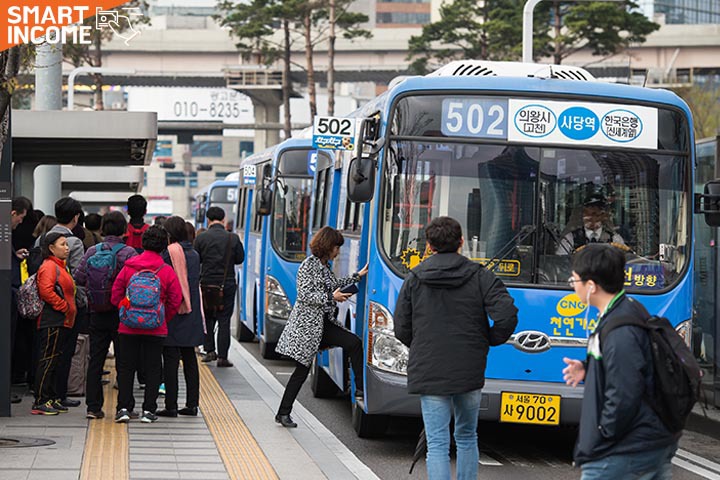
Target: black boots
[{"x": 285, "y": 420}]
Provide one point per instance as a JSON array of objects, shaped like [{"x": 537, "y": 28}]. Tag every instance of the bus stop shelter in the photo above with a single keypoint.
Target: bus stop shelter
[{"x": 80, "y": 138}]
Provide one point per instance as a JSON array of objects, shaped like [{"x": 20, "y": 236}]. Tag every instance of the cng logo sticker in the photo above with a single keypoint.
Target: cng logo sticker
[{"x": 570, "y": 306}]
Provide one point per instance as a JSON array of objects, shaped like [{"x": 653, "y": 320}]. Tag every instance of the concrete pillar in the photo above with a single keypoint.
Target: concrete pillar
[
  {"x": 266, "y": 112},
  {"x": 22, "y": 179},
  {"x": 48, "y": 96}
]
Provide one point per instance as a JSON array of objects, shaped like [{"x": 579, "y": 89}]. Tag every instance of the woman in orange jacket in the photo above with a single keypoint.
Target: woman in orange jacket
[{"x": 57, "y": 289}]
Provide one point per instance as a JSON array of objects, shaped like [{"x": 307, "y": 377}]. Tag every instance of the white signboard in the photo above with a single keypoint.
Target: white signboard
[
  {"x": 192, "y": 104},
  {"x": 334, "y": 133},
  {"x": 579, "y": 123},
  {"x": 249, "y": 173}
]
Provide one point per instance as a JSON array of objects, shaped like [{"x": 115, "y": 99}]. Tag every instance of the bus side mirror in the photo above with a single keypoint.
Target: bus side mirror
[
  {"x": 708, "y": 203},
  {"x": 264, "y": 201},
  {"x": 361, "y": 180},
  {"x": 361, "y": 174},
  {"x": 200, "y": 215}
]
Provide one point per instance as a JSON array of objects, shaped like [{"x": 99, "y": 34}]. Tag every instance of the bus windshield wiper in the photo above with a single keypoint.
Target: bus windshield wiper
[{"x": 519, "y": 237}]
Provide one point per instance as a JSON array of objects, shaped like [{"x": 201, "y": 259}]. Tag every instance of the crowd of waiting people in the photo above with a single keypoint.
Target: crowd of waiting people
[{"x": 104, "y": 280}]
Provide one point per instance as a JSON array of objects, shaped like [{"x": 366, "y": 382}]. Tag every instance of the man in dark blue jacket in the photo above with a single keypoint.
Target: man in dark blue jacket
[
  {"x": 219, "y": 252},
  {"x": 442, "y": 315},
  {"x": 620, "y": 434}
]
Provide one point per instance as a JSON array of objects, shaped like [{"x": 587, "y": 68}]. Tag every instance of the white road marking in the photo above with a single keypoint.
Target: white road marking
[
  {"x": 487, "y": 460},
  {"x": 697, "y": 464}
]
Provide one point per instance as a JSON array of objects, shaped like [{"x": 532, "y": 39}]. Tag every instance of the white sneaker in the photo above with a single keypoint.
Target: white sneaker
[{"x": 148, "y": 417}]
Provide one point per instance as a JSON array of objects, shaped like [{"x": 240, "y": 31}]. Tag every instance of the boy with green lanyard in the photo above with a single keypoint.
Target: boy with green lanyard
[{"x": 620, "y": 434}]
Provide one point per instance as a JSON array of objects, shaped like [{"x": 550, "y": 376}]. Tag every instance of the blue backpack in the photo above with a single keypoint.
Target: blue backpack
[
  {"x": 101, "y": 272},
  {"x": 143, "y": 307}
]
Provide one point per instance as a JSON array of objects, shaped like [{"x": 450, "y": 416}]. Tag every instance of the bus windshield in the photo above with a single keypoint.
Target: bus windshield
[
  {"x": 291, "y": 205},
  {"x": 224, "y": 197},
  {"x": 525, "y": 209}
]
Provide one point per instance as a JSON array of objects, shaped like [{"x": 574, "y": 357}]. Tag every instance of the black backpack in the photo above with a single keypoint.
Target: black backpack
[
  {"x": 676, "y": 374},
  {"x": 34, "y": 259}
]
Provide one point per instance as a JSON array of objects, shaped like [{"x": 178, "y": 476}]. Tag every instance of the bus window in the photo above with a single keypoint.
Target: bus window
[
  {"x": 225, "y": 197},
  {"x": 199, "y": 207},
  {"x": 241, "y": 205},
  {"x": 352, "y": 221},
  {"x": 426, "y": 180},
  {"x": 615, "y": 197},
  {"x": 291, "y": 217},
  {"x": 257, "y": 219},
  {"x": 291, "y": 202},
  {"x": 321, "y": 198}
]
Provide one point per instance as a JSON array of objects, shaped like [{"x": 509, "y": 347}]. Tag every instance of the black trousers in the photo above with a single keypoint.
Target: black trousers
[
  {"x": 68, "y": 350},
  {"x": 103, "y": 330},
  {"x": 333, "y": 336},
  {"x": 171, "y": 363},
  {"x": 222, "y": 319},
  {"x": 23, "y": 368},
  {"x": 51, "y": 342},
  {"x": 127, "y": 357}
]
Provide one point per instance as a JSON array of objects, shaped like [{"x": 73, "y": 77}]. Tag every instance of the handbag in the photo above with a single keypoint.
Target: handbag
[{"x": 213, "y": 296}]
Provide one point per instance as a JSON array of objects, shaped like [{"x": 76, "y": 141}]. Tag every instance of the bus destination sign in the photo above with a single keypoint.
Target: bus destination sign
[{"x": 550, "y": 122}]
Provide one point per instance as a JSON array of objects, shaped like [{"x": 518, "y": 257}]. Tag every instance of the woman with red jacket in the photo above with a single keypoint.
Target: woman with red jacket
[
  {"x": 144, "y": 344},
  {"x": 57, "y": 289}
]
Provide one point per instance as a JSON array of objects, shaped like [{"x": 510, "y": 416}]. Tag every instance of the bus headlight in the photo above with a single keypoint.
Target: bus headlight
[
  {"x": 384, "y": 350},
  {"x": 684, "y": 329},
  {"x": 276, "y": 302}
]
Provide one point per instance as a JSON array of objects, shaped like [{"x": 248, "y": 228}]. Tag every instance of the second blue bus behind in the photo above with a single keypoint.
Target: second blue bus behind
[{"x": 276, "y": 232}]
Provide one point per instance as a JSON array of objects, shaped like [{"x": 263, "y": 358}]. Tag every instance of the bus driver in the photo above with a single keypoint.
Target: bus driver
[{"x": 595, "y": 228}]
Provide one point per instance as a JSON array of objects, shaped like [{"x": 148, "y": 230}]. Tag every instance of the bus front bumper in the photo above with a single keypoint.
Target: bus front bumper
[
  {"x": 274, "y": 326},
  {"x": 387, "y": 395}
]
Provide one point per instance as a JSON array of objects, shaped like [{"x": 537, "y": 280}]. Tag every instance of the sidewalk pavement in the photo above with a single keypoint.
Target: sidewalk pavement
[{"x": 178, "y": 448}]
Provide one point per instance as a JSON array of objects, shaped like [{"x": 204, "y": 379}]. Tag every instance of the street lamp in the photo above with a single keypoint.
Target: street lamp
[
  {"x": 527, "y": 37},
  {"x": 85, "y": 70}
]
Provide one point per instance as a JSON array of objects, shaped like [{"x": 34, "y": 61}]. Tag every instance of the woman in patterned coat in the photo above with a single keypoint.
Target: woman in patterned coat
[{"x": 313, "y": 322}]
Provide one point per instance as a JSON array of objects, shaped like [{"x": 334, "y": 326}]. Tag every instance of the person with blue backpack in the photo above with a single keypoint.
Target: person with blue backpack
[
  {"x": 622, "y": 434},
  {"x": 146, "y": 293},
  {"x": 97, "y": 272}
]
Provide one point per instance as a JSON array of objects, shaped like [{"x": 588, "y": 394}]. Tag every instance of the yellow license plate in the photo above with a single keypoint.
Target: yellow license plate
[{"x": 533, "y": 408}]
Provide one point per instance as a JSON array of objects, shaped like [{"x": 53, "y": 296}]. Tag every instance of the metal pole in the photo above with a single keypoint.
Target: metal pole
[
  {"x": 48, "y": 96},
  {"x": 5, "y": 268},
  {"x": 527, "y": 46}
]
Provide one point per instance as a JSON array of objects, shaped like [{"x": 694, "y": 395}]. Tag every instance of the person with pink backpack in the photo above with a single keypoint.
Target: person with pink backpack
[{"x": 146, "y": 293}]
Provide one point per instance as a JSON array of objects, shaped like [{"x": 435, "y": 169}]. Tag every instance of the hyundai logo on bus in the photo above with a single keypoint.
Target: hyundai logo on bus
[{"x": 531, "y": 341}]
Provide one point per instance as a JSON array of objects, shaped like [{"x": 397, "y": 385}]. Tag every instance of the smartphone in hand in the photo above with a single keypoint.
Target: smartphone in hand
[{"x": 352, "y": 289}]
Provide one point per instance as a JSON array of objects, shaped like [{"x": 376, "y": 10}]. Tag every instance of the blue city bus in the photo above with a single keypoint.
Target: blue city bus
[
  {"x": 512, "y": 151},
  {"x": 275, "y": 229},
  {"x": 220, "y": 193}
]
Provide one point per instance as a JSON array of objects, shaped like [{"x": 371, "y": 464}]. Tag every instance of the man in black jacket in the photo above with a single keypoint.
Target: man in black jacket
[
  {"x": 620, "y": 434},
  {"x": 442, "y": 316},
  {"x": 219, "y": 251}
]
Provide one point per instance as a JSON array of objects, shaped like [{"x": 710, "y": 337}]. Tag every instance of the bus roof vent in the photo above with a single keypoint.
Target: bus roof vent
[{"x": 482, "y": 68}]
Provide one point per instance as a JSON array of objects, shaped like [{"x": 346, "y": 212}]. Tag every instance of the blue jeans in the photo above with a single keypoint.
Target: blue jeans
[
  {"x": 652, "y": 465},
  {"x": 437, "y": 411}
]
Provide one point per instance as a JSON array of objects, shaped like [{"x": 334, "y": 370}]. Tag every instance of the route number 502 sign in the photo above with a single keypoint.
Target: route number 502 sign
[
  {"x": 478, "y": 117},
  {"x": 334, "y": 133},
  {"x": 334, "y": 126}
]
